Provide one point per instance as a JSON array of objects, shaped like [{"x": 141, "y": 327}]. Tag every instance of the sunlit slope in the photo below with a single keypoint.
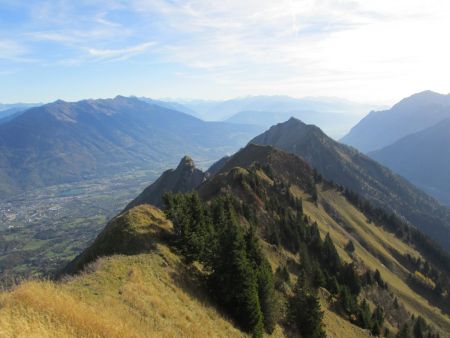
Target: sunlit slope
[
  {"x": 375, "y": 248},
  {"x": 150, "y": 294},
  {"x": 144, "y": 295}
]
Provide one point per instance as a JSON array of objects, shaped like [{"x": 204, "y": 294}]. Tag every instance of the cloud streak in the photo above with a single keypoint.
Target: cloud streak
[{"x": 122, "y": 53}]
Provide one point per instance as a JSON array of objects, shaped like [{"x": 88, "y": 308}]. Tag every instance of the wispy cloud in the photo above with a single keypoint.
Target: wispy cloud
[
  {"x": 10, "y": 49},
  {"x": 122, "y": 53}
]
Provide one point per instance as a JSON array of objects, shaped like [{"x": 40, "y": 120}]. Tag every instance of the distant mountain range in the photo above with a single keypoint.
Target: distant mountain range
[
  {"x": 336, "y": 116},
  {"x": 65, "y": 142},
  {"x": 423, "y": 158},
  {"x": 382, "y": 128},
  {"x": 346, "y": 166},
  {"x": 221, "y": 110}
]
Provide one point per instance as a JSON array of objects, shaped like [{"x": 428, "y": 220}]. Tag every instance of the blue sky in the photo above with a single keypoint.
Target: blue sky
[{"x": 367, "y": 51}]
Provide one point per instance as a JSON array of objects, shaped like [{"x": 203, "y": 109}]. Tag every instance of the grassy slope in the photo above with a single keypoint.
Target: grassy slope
[
  {"x": 375, "y": 248},
  {"x": 144, "y": 295},
  {"x": 150, "y": 294},
  {"x": 127, "y": 296},
  {"x": 335, "y": 325}
]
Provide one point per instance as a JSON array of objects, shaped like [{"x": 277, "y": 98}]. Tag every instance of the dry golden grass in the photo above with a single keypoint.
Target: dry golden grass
[
  {"x": 145, "y": 295},
  {"x": 337, "y": 327},
  {"x": 127, "y": 296},
  {"x": 374, "y": 248}
]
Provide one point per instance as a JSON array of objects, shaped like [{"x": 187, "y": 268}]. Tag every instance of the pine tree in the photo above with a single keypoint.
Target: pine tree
[
  {"x": 318, "y": 276},
  {"x": 364, "y": 318},
  {"x": 350, "y": 247},
  {"x": 378, "y": 315},
  {"x": 348, "y": 301},
  {"x": 381, "y": 283},
  {"x": 330, "y": 257},
  {"x": 419, "y": 328},
  {"x": 315, "y": 242},
  {"x": 350, "y": 278},
  {"x": 378, "y": 320},
  {"x": 233, "y": 278},
  {"x": 305, "y": 313},
  {"x": 396, "y": 304},
  {"x": 305, "y": 265},
  {"x": 333, "y": 285},
  {"x": 265, "y": 281},
  {"x": 404, "y": 332},
  {"x": 376, "y": 329}
]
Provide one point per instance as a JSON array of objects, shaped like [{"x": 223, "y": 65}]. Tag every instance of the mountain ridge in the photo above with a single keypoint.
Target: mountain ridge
[{"x": 355, "y": 171}]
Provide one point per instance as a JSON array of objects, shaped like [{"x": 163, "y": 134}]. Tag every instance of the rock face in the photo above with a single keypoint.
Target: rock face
[
  {"x": 346, "y": 166},
  {"x": 184, "y": 178}
]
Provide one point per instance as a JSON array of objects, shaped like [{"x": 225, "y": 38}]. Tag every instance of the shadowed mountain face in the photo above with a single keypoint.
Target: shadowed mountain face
[
  {"x": 66, "y": 142},
  {"x": 357, "y": 172},
  {"x": 382, "y": 128},
  {"x": 423, "y": 158},
  {"x": 184, "y": 178}
]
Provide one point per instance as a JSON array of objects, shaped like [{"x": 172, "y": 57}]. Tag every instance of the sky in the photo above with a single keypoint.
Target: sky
[{"x": 366, "y": 51}]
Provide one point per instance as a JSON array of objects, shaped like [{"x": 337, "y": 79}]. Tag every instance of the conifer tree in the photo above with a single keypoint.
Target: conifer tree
[
  {"x": 315, "y": 242},
  {"x": 333, "y": 285},
  {"x": 404, "y": 332},
  {"x": 350, "y": 247},
  {"x": 350, "y": 278},
  {"x": 305, "y": 313},
  {"x": 377, "y": 320},
  {"x": 364, "y": 318},
  {"x": 330, "y": 256},
  {"x": 348, "y": 300},
  {"x": 419, "y": 328},
  {"x": 233, "y": 277},
  {"x": 265, "y": 281}
]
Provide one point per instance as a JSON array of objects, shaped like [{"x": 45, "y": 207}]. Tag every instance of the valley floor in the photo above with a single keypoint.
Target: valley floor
[{"x": 42, "y": 230}]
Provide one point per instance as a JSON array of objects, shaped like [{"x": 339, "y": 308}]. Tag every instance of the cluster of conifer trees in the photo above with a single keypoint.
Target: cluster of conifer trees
[
  {"x": 418, "y": 328},
  {"x": 240, "y": 277}
]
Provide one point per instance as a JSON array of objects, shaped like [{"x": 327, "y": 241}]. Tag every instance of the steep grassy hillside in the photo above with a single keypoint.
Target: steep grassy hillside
[
  {"x": 355, "y": 171},
  {"x": 149, "y": 294},
  {"x": 374, "y": 248}
]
